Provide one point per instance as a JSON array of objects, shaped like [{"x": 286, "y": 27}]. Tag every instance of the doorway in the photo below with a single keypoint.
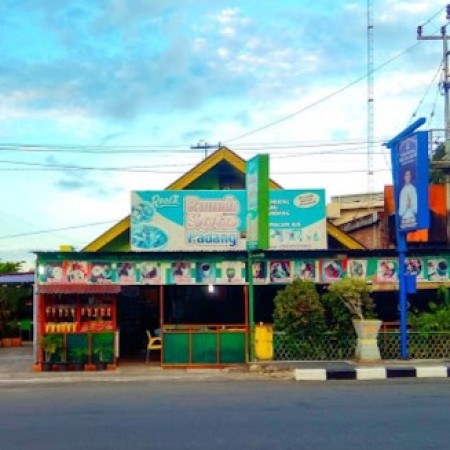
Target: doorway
[{"x": 137, "y": 311}]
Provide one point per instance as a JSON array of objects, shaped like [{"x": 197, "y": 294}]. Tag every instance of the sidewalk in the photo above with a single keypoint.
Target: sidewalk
[{"x": 16, "y": 367}]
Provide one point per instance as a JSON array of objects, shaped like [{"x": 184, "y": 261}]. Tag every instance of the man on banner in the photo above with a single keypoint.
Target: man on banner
[{"x": 408, "y": 202}]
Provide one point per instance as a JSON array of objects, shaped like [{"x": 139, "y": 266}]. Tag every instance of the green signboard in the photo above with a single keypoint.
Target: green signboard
[{"x": 257, "y": 188}]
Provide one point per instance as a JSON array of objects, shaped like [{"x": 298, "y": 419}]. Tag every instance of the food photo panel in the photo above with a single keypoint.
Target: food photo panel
[
  {"x": 232, "y": 272},
  {"x": 387, "y": 270},
  {"x": 150, "y": 272},
  {"x": 437, "y": 269},
  {"x": 126, "y": 272},
  {"x": 205, "y": 272},
  {"x": 101, "y": 272},
  {"x": 280, "y": 271},
  {"x": 331, "y": 270},
  {"x": 305, "y": 270},
  {"x": 415, "y": 267},
  {"x": 259, "y": 271},
  {"x": 357, "y": 268}
]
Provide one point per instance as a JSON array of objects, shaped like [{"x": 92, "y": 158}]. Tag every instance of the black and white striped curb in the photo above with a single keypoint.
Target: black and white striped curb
[{"x": 372, "y": 373}]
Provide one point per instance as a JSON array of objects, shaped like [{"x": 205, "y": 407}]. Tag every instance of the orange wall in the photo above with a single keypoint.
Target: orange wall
[{"x": 438, "y": 212}]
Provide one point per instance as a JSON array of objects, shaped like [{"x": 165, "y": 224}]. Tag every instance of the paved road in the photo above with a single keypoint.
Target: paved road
[{"x": 393, "y": 414}]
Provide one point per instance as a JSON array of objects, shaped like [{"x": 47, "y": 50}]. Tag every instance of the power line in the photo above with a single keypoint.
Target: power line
[
  {"x": 323, "y": 99},
  {"x": 46, "y": 167},
  {"x": 43, "y": 148},
  {"x": 74, "y": 227},
  {"x": 414, "y": 114}
]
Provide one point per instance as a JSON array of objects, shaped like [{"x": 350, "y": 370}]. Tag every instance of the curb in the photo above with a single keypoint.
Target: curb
[{"x": 372, "y": 373}]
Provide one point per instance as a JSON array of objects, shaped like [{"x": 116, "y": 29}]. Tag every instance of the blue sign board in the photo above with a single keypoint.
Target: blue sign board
[{"x": 411, "y": 182}]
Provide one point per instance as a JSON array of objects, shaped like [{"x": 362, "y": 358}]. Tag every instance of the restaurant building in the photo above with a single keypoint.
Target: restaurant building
[{"x": 177, "y": 267}]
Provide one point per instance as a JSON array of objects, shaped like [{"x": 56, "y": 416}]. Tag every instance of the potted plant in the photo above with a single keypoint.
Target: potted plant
[
  {"x": 12, "y": 331},
  {"x": 79, "y": 357},
  {"x": 51, "y": 344},
  {"x": 5, "y": 315},
  {"x": 103, "y": 350},
  {"x": 354, "y": 293}
]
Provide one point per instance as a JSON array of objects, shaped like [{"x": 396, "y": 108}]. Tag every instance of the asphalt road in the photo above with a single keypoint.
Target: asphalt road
[{"x": 392, "y": 414}]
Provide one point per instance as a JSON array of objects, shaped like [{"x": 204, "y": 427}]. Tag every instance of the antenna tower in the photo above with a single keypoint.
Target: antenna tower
[{"x": 370, "y": 114}]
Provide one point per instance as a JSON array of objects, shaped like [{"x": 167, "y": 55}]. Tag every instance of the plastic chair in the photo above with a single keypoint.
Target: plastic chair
[{"x": 154, "y": 343}]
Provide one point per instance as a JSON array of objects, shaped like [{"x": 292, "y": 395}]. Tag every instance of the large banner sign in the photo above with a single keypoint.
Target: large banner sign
[
  {"x": 297, "y": 220},
  {"x": 411, "y": 184},
  {"x": 216, "y": 220},
  {"x": 187, "y": 220}
]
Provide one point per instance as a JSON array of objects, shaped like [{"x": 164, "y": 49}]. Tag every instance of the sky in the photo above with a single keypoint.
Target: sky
[{"x": 102, "y": 97}]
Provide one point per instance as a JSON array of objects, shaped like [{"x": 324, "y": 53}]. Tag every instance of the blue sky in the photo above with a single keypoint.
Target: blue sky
[{"x": 92, "y": 90}]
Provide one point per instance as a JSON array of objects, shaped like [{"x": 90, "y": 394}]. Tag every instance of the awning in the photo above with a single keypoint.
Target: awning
[
  {"x": 17, "y": 278},
  {"x": 68, "y": 288}
]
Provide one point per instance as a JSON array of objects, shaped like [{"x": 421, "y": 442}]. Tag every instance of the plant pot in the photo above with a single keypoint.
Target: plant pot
[
  {"x": 101, "y": 365},
  {"x": 16, "y": 342},
  {"x": 46, "y": 366},
  {"x": 367, "y": 342},
  {"x": 6, "y": 342},
  {"x": 78, "y": 366},
  {"x": 62, "y": 367}
]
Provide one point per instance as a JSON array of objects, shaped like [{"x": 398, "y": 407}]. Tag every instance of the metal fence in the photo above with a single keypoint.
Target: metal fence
[
  {"x": 332, "y": 347},
  {"x": 430, "y": 345}
]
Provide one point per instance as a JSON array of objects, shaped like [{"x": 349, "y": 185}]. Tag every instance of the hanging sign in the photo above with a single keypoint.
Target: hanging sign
[{"x": 411, "y": 182}]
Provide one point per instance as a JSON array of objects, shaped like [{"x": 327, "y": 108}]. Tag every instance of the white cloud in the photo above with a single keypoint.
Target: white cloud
[
  {"x": 228, "y": 32},
  {"x": 227, "y": 16},
  {"x": 223, "y": 52}
]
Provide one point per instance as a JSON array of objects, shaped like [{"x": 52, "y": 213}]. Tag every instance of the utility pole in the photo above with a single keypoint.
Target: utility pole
[
  {"x": 203, "y": 145},
  {"x": 370, "y": 115},
  {"x": 445, "y": 78},
  {"x": 445, "y": 163}
]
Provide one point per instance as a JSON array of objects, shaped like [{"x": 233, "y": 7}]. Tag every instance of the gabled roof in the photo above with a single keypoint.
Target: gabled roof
[{"x": 219, "y": 156}]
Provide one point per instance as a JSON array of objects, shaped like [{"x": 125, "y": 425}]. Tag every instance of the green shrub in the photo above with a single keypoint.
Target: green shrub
[
  {"x": 437, "y": 318},
  {"x": 354, "y": 294},
  {"x": 298, "y": 311}
]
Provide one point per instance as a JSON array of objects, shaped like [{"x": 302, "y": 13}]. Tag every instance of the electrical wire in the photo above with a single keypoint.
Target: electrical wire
[
  {"x": 74, "y": 227},
  {"x": 323, "y": 99},
  {"x": 110, "y": 150},
  {"x": 154, "y": 168},
  {"x": 414, "y": 114},
  {"x": 433, "y": 108}
]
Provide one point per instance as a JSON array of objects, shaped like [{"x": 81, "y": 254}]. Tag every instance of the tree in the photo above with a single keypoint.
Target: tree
[
  {"x": 9, "y": 297},
  {"x": 10, "y": 266},
  {"x": 437, "y": 176}
]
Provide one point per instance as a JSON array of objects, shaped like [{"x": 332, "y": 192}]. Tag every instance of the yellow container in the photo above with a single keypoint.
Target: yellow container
[{"x": 263, "y": 342}]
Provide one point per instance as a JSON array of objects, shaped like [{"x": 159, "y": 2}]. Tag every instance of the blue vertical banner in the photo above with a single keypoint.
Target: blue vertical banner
[
  {"x": 409, "y": 155},
  {"x": 411, "y": 182}
]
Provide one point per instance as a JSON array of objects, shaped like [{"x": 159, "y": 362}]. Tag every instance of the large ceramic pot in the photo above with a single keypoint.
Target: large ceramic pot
[{"x": 367, "y": 343}]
